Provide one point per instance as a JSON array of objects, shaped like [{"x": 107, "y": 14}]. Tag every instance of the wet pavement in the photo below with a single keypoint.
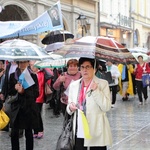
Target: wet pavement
[{"x": 130, "y": 124}]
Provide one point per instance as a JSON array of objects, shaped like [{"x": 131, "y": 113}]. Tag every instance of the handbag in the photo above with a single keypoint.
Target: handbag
[
  {"x": 146, "y": 80},
  {"x": 48, "y": 89},
  {"x": 4, "y": 120},
  {"x": 12, "y": 98},
  {"x": 8, "y": 101},
  {"x": 48, "y": 93},
  {"x": 118, "y": 88},
  {"x": 65, "y": 140},
  {"x": 107, "y": 76}
]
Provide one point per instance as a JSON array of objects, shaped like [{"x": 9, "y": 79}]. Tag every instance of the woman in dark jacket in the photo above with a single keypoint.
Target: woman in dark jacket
[{"x": 24, "y": 113}]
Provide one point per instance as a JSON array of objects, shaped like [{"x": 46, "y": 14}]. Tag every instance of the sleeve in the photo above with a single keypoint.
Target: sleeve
[
  {"x": 35, "y": 86},
  {"x": 70, "y": 99},
  {"x": 57, "y": 84},
  {"x": 102, "y": 96},
  {"x": 117, "y": 72},
  {"x": 131, "y": 69}
]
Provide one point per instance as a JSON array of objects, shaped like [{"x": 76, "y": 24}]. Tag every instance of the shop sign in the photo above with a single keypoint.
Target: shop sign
[{"x": 124, "y": 21}]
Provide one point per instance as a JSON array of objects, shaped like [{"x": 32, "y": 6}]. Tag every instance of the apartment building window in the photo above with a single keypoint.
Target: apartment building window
[
  {"x": 147, "y": 8},
  {"x": 104, "y": 6},
  {"x": 134, "y": 6},
  {"x": 141, "y": 7},
  {"x": 148, "y": 41}
]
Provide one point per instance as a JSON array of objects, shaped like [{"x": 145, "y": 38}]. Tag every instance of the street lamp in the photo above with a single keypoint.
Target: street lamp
[{"x": 82, "y": 21}]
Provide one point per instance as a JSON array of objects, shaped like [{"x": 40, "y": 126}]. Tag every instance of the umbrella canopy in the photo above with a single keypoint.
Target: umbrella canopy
[
  {"x": 145, "y": 56},
  {"x": 57, "y": 36},
  {"x": 99, "y": 47},
  {"x": 58, "y": 63},
  {"x": 17, "y": 49},
  {"x": 54, "y": 46},
  {"x": 138, "y": 49},
  {"x": 108, "y": 48}
]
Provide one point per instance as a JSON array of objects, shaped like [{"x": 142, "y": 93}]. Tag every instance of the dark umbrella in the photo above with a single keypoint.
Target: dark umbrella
[{"x": 57, "y": 36}]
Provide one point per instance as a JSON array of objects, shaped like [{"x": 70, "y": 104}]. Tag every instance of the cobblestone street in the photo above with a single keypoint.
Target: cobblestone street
[{"x": 130, "y": 124}]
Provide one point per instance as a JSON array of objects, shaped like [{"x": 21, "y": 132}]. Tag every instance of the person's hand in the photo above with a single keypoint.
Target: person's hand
[
  {"x": 93, "y": 86},
  {"x": 62, "y": 78},
  {"x": 73, "y": 107},
  {"x": 19, "y": 88}
]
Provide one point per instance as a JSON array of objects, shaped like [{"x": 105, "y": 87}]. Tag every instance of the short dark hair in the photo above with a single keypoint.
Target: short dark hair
[
  {"x": 109, "y": 60},
  {"x": 91, "y": 60},
  {"x": 140, "y": 56}
]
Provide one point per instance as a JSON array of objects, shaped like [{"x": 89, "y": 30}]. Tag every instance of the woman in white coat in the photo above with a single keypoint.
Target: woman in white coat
[{"x": 92, "y": 96}]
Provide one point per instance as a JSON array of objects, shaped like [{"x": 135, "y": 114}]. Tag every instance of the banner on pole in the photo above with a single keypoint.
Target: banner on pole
[{"x": 49, "y": 20}]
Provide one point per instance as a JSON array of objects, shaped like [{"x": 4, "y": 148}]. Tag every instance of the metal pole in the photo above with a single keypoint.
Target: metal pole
[
  {"x": 82, "y": 31},
  {"x": 133, "y": 29},
  {"x": 99, "y": 31}
]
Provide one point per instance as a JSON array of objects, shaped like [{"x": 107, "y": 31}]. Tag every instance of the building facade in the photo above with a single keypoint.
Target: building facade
[
  {"x": 71, "y": 9},
  {"x": 128, "y": 21}
]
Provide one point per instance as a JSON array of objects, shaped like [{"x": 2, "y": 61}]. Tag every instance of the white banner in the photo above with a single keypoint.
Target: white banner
[{"x": 49, "y": 20}]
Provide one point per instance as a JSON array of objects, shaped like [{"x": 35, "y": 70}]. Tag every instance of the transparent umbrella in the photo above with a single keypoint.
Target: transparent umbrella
[{"x": 18, "y": 49}]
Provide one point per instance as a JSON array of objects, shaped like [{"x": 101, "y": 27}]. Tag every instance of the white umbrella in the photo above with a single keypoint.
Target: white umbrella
[
  {"x": 17, "y": 49},
  {"x": 145, "y": 56},
  {"x": 58, "y": 63},
  {"x": 138, "y": 49},
  {"x": 54, "y": 46}
]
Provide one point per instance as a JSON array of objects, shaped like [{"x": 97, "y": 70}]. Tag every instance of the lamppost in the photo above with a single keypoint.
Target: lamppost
[{"x": 82, "y": 22}]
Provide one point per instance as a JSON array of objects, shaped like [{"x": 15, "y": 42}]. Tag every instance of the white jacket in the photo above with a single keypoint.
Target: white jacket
[
  {"x": 97, "y": 104},
  {"x": 116, "y": 73}
]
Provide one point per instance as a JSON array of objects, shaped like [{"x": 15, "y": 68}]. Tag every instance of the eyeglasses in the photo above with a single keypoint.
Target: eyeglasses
[{"x": 85, "y": 67}]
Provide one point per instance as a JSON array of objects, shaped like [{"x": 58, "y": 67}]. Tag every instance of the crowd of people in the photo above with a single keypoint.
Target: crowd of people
[{"x": 78, "y": 86}]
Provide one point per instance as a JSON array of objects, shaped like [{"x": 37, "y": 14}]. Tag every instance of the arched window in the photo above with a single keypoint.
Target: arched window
[
  {"x": 136, "y": 37},
  {"x": 148, "y": 42}
]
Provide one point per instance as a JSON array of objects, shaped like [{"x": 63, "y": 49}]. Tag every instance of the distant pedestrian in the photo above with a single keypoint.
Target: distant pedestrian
[
  {"x": 115, "y": 76},
  {"x": 125, "y": 80},
  {"x": 140, "y": 69},
  {"x": 39, "y": 132}
]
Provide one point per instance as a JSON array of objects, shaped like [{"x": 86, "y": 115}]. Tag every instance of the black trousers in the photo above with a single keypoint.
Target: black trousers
[
  {"x": 79, "y": 145},
  {"x": 140, "y": 90},
  {"x": 41, "y": 128},
  {"x": 15, "y": 139},
  {"x": 114, "y": 93}
]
